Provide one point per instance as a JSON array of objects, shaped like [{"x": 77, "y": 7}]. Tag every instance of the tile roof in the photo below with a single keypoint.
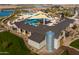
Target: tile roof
[{"x": 38, "y": 33}]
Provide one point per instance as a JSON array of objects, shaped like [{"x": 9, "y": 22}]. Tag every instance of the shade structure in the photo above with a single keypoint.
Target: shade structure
[{"x": 39, "y": 16}]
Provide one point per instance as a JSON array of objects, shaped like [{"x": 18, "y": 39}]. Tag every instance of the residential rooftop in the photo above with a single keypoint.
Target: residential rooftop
[{"x": 38, "y": 32}]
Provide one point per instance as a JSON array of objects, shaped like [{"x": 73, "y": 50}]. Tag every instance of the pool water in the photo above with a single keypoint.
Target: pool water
[
  {"x": 34, "y": 22},
  {"x": 6, "y": 12}
]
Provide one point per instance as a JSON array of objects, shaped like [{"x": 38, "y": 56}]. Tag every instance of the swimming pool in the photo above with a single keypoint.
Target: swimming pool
[
  {"x": 6, "y": 12},
  {"x": 34, "y": 22}
]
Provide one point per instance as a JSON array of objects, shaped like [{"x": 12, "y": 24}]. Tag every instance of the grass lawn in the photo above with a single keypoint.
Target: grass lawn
[
  {"x": 12, "y": 44},
  {"x": 75, "y": 44}
]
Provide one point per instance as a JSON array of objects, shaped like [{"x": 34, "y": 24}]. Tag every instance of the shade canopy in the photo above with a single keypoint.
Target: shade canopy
[{"x": 39, "y": 15}]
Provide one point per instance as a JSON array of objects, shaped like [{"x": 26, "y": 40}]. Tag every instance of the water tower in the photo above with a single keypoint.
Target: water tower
[{"x": 50, "y": 41}]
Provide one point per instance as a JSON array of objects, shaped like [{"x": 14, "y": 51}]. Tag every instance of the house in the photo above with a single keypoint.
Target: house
[{"x": 37, "y": 39}]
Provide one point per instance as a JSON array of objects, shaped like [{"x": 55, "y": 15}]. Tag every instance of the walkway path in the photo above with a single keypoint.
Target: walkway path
[
  {"x": 75, "y": 15},
  {"x": 71, "y": 50},
  {"x": 69, "y": 41},
  {"x": 74, "y": 48}
]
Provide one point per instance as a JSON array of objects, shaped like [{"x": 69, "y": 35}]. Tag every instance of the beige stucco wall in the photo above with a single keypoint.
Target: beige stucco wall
[
  {"x": 42, "y": 44},
  {"x": 24, "y": 33},
  {"x": 18, "y": 30},
  {"x": 35, "y": 44},
  {"x": 56, "y": 43}
]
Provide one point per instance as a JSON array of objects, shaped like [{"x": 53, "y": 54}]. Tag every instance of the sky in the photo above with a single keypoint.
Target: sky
[{"x": 39, "y": 1}]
